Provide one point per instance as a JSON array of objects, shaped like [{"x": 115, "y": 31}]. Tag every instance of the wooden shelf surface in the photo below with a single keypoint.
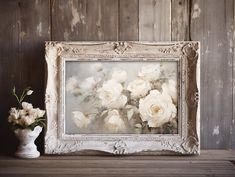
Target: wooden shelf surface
[{"x": 209, "y": 163}]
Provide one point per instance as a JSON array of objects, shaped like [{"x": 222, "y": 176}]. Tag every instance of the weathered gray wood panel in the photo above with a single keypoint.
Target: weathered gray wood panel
[
  {"x": 212, "y": 24},
  {"x": 232, "y": 128},
  {"x": 180, "y": 20},
  {"x": 232, "y": 138},
  {"x": 24, "y": 28},
  {"x": 128, "y": 20},
  {"x": 155, "y": 20},
  {"x": 85, "y": 20},
  {"x": 68, "y": 20},
  {"x": 9, "y": 61}
]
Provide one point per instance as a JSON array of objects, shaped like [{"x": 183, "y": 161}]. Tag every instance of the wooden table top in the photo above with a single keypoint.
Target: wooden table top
[{"x": 209, "y": 163}]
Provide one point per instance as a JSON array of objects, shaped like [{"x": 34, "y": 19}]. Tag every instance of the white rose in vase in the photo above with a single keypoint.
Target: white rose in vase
[
  {"x": 111, "y": 95},
  {"x": 27, "y": 123},
  {"x": 171, "y": 89},
  {"x": 119, "y": 75},
  {"x": 157, "y": 108},
  {"x": 114, "y": 123},
  {"x": 27, "y": 120},
  {"x": 30, "y": 92},
  {"x": 37, "y": 113},
  {"x": 14, "y": 116},
  {"x": 138, "y": 88},
  {"x": 27, "y": 106},
  {"x": 150, "y": 72}
]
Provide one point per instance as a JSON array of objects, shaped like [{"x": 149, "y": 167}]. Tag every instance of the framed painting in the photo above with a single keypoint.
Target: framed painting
[{"x": 122, "y": 97}]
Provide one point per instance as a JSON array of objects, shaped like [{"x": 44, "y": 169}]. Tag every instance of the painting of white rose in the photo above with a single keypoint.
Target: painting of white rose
[{"x": 121, "y": 97}]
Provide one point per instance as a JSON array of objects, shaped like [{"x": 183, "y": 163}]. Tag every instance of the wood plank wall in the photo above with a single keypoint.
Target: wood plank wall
[{"x": 26, "y": 24}]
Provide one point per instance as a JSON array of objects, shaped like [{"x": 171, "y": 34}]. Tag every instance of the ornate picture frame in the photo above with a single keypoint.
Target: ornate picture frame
[{"x": 187, "y": 59}]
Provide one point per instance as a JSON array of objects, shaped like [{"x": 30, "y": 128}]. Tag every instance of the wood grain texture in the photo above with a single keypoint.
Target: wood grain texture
[
  {"x": 24, "y": 28},
  {"x": 26, "y": 24},
  {"x": 180, "y": 18},
  {"x": 210, "y": 163},
  {"x": 155, "y": 20},
  {"x": 128, "y": 20},
  {"x": 212, "y": 24},
  {"x": 232, "y": 128},
  {"x": 84, "y": 20},
  {"x": 9, "y": 62}
]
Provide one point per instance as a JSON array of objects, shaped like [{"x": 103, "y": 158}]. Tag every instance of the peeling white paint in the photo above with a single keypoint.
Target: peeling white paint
[
  {"x": 216, "y": 130},
  {"x": 77, "y": 18},
  {"x": 66, "y": 35},
  {"x": 196, "y": 11},
  {"x": 230, "y": 63},
  {"x": 220, "y": 44},
  {"x": 39, "y": 29},
  {"x": 22, "y": 34},
  {"x": 219, "y": 84},
  {"x": 233, "y": 34},
  {"x": 231, "y": 45},
  {"x": 207, "y": 50},
  {"x": 98, "y": 23},
  {"x": 208, "y": 33}
]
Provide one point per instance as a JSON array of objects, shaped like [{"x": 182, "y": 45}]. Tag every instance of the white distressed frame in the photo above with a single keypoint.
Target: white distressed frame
[{"x": 187, "y": 139}]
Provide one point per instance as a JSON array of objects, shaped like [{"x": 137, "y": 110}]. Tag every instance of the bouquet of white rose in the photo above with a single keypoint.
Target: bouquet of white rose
[
  {"x": 116, "y": 100},
  {"x": 25, "y": 116}
]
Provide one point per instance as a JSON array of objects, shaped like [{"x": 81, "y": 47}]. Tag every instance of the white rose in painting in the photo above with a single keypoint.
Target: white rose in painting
[
  {"x": 119, "y": 75},
  {"x": 27, "y": 106},
  {"x": 111, "y": 96},
  {"x": 88, "y": 84},
  {"x": 150, "y": 72},
  {"x": 171, "y": 89},
  {"x": 114, "y": 123},
  {"x": 157, "y": 108},
  {"x": 138, "y": 88},
  {"x": 97, "y": 67},
  {"x": 80, "y": 119},
  {"x": 72, "y": 85},
  {"x": 131, "y": 110}
]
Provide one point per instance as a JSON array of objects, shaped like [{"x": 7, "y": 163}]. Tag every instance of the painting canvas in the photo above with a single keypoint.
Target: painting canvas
[{"x": 130, "y": 97}]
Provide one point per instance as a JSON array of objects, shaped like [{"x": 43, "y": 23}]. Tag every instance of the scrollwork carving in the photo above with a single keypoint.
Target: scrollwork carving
[
  {"x": 171, "y": 49},
  {"x": 171, "y": 145},
  {"x": 121, "y": 47},
  {"x": 73, "y": 50},
  {"x": 191, "y": 145},
  {"x": 184, "y": 52},
  {"x": 190, "y": 50},
  {"x": 192, "y": 98},
  {"x": 119, "y": 147}
]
